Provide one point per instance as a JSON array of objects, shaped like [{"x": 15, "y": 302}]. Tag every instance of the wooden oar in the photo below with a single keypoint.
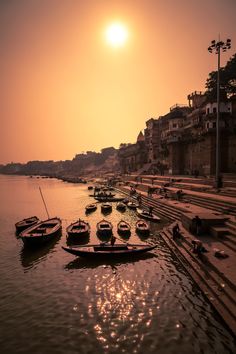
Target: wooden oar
[{"x": 44, "y": 202}]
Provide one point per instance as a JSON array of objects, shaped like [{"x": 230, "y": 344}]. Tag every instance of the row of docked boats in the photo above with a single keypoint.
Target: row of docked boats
[
  {"x": 121, "y": 206},
  {"x": 105, "y": 228},
  {"x": 35, "y": 232}
]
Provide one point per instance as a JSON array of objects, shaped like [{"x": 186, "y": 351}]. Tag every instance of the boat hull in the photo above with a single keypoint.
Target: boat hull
[
  {"x": 96, "y": 252},
  {"x": 108, "y": 199}
]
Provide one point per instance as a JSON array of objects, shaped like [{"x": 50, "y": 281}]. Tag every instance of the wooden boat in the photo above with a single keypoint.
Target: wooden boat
[
  {"x": 78, "y": 229},
  {"x": 25, "y": 223},
  {"x": 104, "y": 228},
  {"x": 108, "y": 251},
  {"x": 146, "y": 215},
  {"x": 121, "y": 206},
  {"x": 123, "y": 228},
  {"x": 142, "y": 227},
  {"x": 132, "y": 205},
  {"x": 108, "y": 199},
  {"x": 90, "y": 188},
  {"x": 106, "y": 207},
  {"x": 104, "y": 194},
  {"x": 90, "y": 207},
  {"x": 42, "y": 232}
]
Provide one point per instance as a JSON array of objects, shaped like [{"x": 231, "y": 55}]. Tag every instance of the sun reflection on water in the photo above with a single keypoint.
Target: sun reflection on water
[{"x": 116, "y": 306}]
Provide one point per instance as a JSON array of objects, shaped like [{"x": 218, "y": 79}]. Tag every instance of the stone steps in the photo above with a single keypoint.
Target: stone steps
[
  {"x": 161, "y": 209},
  {"x": 219, "y": 231},
  {"x": 207, "y": 276},
  {"x": 209, "y": 203}
]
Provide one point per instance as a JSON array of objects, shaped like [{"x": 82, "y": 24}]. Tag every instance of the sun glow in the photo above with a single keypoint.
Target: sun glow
[{"x": 116, "y": 34}]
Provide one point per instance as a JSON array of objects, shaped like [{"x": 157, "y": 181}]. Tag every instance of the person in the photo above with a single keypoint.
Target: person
[
  {"x": 139, "y": 199},
  {"x": 179, "y": 194},
  {"x": 197, "y": 247},
  {"x": 175, "y": 231},
  {"x": 113, "y": 240},
  {"x": 196, "y": 225},
  {"x": 150, "y": 210}
]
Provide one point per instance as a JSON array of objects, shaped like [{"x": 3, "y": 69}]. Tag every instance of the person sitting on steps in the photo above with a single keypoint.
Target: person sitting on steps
[{"x": 175, "y": 231}]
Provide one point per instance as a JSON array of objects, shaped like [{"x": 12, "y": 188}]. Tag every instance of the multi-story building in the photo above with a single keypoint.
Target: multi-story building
[{"x": 184, "y": 140}]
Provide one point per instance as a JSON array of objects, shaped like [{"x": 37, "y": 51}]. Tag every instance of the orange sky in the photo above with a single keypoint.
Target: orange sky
[{"x": 64, "y": 90}]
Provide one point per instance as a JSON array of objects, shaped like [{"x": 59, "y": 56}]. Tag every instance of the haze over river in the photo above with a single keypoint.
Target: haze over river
[{"x": 53, "y": 302}]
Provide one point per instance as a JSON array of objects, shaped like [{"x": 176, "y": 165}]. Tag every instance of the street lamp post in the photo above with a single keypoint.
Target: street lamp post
[{"x": 216, "y": 47}]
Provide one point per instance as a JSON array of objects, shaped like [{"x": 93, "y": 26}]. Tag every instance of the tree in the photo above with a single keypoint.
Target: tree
[{"x": 227, "y": 81}]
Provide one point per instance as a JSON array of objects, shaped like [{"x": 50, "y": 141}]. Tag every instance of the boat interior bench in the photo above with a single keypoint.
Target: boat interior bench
[
  {"x": 110, "y": 248},
  {"x": 40, "y": 230}
]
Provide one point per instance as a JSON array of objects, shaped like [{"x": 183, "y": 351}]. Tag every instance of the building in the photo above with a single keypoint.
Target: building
[{"x": 184, "y": 140}]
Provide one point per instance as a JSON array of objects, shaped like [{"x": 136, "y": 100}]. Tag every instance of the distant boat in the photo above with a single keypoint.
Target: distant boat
[
  {"x": 107, "y": 251},
  {"x": 90, "y": 187},
  {"x": 78, "y": 229},
  {"x": 123, "y": 228},
  {"x": 142, "y": 227},
  {"x": 106, "y": 207},
  {"x": 25, "y": 223},
  {"x": 146, "y": 215},
  {"x": 42, "y": 232},
  {"x": 107, "y": 198},
  {"x": 90, "y": 207},
  {"x": 104, "y": 228},
  {"x": 121, "y": 206},
  {"x": 132, "y": 205}
]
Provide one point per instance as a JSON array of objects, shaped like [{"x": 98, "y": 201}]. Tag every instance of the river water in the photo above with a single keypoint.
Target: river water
[{"x": 53, "y": 302}]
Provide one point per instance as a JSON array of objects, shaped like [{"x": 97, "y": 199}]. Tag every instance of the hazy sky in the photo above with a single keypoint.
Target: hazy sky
[{"x": 64, "y": 90}]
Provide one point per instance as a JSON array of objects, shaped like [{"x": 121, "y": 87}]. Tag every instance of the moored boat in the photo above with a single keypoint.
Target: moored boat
[
  {"x": 25, "y": 223},
  {"x": 78, "y": 229},
  {"x": 142, "y": 227},
  {"x": 108, "y": 199},
  {"x": 121, "y": 206},
  {"x": 123, "y": 228},
  {"x": 104, "y": 228},
  {"x": 90, "y": 207},
  {"x": 106, "y": 207},
  {"x": 132, "y": 205},
  {"x": 108, "y": 251},
  {"x": 147, "y": 215},
  {"x": 42, "y": 232}
]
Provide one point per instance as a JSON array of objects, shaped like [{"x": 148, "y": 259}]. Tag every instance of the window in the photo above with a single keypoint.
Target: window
[{"x": 214, "y": 109}]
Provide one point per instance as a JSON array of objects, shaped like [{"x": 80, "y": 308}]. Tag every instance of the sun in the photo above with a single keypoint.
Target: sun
[{"x": 116, "y": 34}]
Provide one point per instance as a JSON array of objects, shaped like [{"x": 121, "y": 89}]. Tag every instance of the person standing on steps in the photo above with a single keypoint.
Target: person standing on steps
[{"x": 139, "y": 199}]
